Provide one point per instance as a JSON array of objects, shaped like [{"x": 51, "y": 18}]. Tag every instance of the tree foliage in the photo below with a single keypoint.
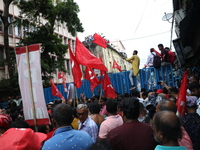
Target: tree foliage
[{"x": 54, "y": 13}]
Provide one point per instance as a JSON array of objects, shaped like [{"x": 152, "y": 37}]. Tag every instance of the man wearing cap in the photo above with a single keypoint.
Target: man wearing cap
[
  {"x": 64, "y": 136},
  {"x": 160, "y": 95},
  {"x": 191, "y": 121},
  {"x": 135, "y": 60}
]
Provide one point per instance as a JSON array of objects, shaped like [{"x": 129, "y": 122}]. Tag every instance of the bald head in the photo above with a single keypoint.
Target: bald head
[
  {"x": 166, "y": 105},
  {"x": 167, "y": 124}
]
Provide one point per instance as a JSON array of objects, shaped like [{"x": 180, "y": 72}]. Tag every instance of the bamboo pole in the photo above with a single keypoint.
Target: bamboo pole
[{"x": 31, "y": 89}]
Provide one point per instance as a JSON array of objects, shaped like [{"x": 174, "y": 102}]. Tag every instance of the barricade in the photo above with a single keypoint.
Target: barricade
[{"x": 147, "y": 79}]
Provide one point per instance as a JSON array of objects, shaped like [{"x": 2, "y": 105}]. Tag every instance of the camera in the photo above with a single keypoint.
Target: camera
[{"x": 159, "y": 82}]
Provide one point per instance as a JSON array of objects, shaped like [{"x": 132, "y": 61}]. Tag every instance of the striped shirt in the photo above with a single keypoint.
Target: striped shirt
[{"x": 90, "y": 127}]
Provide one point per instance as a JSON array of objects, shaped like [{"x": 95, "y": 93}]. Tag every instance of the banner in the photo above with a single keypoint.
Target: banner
[{"x": 34, "y": 87}]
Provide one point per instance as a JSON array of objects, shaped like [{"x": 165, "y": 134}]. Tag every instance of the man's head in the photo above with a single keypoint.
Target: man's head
[
  {"x": 82, "y": 112},
  {"x": 144, "y": 95},
  {"x": 103, "y": 101},
  {"x": 135, "y": 93},
  {"x": 191, "y": 104},
  {"x": 167, "y": 48},
  {"x": 166, "y": 105},
  {"x": 62, "y": 114},
  {"x": 130, "y": 108},
  {"x": 173, "y": 91},
  {"x": 94, "y": 108},
  {"x": 166, "y": 126},
  {"x": 111, "y": 106},
  {"x": 194, "y": 88},
  {"x": 135, "y": 52},
  {"x": 160, "y": 46},
  {"x": 152, "y": 50},
  {"x": 194, "y": 79}
]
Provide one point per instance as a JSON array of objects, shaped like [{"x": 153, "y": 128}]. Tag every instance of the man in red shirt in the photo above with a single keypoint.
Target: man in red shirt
[{"x": 172, "y": 56}]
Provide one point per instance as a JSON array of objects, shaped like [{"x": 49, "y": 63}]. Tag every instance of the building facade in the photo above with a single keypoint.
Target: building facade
[
  {"x": 16, "y": 33},
  {"x": 109, "y": 54}
]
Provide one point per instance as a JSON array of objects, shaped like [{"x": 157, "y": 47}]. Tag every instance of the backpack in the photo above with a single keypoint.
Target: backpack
[{"x": 156, "y": 61}]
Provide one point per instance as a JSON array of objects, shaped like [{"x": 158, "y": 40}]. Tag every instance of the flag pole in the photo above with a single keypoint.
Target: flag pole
[
  {"x": 76, "y": 97},
  {"x": 100, "y": 95},
  {"x": 31, "y": 89}
]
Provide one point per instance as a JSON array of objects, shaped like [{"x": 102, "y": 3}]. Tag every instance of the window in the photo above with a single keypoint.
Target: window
[
  {"x": 1, "y": 24},
  {"x": 10, "y": 28},
  {"x": 18, "y": 31},
  {"x": 25, "y": 30},
  {"x": 65, "y": 41},
  {"x": 1, "y": 57},
  {"x": 68, "y": 66}
]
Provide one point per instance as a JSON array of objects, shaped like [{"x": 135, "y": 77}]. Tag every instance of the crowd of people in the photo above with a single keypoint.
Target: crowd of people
[{"x": 140, "y": 120}]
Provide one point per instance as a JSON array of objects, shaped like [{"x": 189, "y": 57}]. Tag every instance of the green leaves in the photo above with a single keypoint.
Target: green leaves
[{"x": 53, "y": 50}]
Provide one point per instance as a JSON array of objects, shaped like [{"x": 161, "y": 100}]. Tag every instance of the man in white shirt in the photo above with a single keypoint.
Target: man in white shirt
[{"x": 150, "y": 57}]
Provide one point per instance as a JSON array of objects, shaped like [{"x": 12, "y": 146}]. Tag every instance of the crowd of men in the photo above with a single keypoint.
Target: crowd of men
[{"x": 140, "y": 120}]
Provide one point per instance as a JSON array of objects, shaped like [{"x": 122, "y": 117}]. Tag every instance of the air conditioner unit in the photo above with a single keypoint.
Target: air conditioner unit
[{"x": 179, "y": 15}]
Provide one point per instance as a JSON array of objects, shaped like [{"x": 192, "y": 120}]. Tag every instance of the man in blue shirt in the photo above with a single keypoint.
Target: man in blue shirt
[
  {"x": 64, "y": 136},
  {"x": 86, "y": 123}
]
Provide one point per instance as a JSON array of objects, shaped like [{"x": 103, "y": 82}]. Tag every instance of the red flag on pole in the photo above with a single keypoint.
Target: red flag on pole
[
  {"x": 117, "y": 66},
  {"x": 60, "y": 75},
  {"x": 54, "y": 90},
  {"x": 76, "y": 71},
  {"x": 109, "y": 91},
  {"x": 157, "y": 53},
  {"x": 102, "y": 73},
  {"x": 86, "y": 58},
  {"x": 99, "y": 40},
  {"x": 90, "y": 76},
  {"x": 181, "y": 101}
]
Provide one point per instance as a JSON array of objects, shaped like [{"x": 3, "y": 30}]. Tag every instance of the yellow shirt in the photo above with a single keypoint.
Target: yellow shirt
[
  {"x": 75, "y": 123},
  {"x": 135, "y": 64}
]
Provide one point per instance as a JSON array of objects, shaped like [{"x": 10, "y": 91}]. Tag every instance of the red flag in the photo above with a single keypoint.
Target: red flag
[
  {"x": 99, "y": 40},
  {"x": 90, "y": 76},
  {"x": 157, "y": 53},
  {"x": 115, "y": 65},
  {"x": 55, "y": 91},
  {"x": 60, "y": 75},
  {"x": 102, "y": 73},
  {"x": 181, "y": 101},
  {"x": 86, "y": 58},
  {"x": 109, "y": 91},
  {"x": 76, "y": 71}
]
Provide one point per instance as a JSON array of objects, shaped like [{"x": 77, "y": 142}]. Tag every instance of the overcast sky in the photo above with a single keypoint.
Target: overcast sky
[{"x": 134, "y": 22}]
